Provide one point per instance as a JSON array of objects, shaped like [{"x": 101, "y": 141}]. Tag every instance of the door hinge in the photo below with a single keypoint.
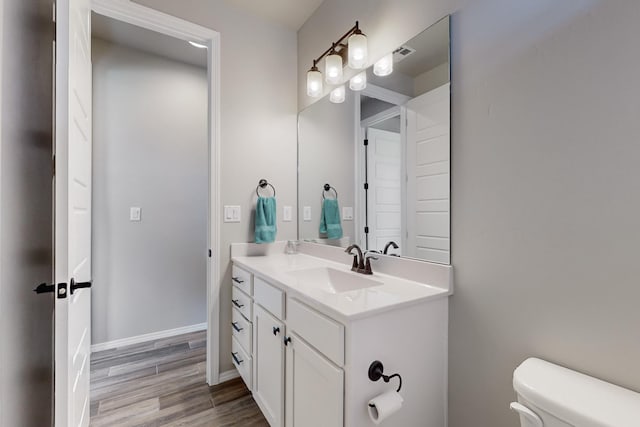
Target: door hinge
[
  {"x": 53, "y": 165},
  {"x": 209, "y": 253},
  {"x": 366, "y": 142},
  {"x": 366, "y": 230},
  {"x": 366, "y": 185}
]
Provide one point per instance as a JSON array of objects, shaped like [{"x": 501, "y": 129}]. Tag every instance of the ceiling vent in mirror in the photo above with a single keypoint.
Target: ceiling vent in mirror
[{"x": 402, "y": 52}]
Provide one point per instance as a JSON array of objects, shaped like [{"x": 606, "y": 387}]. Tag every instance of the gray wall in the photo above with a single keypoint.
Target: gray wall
[
  {"x": 258, "y": 124},
  {"x": 544, "y": 184},
  {"x": 326, "y": 155},
  {"x": 25, "y": 212},
  {"x": 149, "y": 151}
]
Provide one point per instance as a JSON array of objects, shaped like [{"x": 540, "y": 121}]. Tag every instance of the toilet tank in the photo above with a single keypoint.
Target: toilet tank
[{"x": 552, "y": 396}]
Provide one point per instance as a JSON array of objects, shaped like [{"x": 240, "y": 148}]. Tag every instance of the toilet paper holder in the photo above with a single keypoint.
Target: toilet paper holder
[{"x": 376, "y": 371}]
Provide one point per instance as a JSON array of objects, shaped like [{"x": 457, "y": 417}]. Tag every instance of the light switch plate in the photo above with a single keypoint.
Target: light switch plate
[
  {"x": 135, "y": 213},
  {"x": 232, "y": 214},
  {"x": 347, "y": 213},
  {"x": 287, "y": 213},
  {"x": 306, "y": 213}
]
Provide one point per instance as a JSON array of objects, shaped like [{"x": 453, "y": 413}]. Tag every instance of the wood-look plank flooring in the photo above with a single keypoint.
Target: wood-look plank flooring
[{"x": 162, "y": 383}]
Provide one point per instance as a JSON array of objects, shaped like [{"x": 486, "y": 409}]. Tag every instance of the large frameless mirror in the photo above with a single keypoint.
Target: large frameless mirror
[{"x": 375, "y": 169}]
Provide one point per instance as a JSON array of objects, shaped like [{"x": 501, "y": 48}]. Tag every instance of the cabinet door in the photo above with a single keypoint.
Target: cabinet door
[
  {"x": 268, "y": 360},
  {"x": 315, "y": 388}
]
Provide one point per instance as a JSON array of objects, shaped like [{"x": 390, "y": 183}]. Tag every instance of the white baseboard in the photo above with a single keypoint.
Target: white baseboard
[
  {"x": 228, "y": 375},
  {"x": 148, "y": 337}
]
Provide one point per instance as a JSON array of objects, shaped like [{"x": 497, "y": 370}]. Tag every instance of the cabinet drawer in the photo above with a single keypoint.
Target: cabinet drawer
[
  {"x": 269, "y": 297},
  {"x": 323, "y": 333},
  {"x": 242, "y": 279},
  {"x": 241, "y": 301},
  {"x": 242, "y": 330},
  {"x": 242, "y": 362}
]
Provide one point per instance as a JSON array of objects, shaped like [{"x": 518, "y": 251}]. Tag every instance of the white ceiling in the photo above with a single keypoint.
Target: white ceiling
[
  {"x": 291, "y": 13},
  {"x": 146, "y": 40}
]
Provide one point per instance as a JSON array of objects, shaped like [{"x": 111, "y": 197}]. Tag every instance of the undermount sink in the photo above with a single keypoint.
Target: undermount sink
[{"x": 334, "y": 281}]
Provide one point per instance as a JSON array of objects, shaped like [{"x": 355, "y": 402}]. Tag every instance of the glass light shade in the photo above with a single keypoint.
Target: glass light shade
[
  {"x": 337, "y": 95},
  {"x": 333, "y": 69},
  {"x": 314, "y": 83},
  {"x": 359, "y": 81},
  {"x": 384, "y": 66},
  {"x": 358, "y": 51}
]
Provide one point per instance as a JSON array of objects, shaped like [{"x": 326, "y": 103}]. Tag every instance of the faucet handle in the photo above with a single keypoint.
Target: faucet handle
[
  {"x": 354, "y": 266},
  {"x": 367, "y": 267}
]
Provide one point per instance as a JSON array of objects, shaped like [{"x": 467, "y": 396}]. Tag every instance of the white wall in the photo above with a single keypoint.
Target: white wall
[
  {"x": 544, "y": 184},
  {"x": 25, "y": 212},
  {"x": 326, "y": 155},
  {"x": 258, "y": 124},
  {"x": 150, "y": 151}
]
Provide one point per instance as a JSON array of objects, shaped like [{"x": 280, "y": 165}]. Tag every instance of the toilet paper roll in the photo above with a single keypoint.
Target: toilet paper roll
[{"x": 383, "y": 406}]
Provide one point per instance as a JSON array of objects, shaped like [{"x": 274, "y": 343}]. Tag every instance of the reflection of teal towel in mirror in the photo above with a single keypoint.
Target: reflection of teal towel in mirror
[
  {"x": 266, "y": 220},
  {"x": 330, "y": 219}
]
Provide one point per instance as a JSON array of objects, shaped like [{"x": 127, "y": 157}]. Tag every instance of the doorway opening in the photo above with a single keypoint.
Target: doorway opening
[{"x": 156, "y": 159}]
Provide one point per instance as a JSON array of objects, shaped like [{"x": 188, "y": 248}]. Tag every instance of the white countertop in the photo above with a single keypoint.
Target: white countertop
[{"x": 389, "y": 294}]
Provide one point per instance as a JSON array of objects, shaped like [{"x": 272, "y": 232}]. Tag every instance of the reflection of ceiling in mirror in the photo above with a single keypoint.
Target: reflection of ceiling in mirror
[
  {"x": 134, "y": 37},
  {"x": 431, "y": 49}
]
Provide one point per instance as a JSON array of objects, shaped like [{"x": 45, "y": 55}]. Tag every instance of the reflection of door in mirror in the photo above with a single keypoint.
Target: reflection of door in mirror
[
  {"x": 385, "y": 192},
  {"x": 428, "y": 156},
  {"x": 384, "y": 170}
]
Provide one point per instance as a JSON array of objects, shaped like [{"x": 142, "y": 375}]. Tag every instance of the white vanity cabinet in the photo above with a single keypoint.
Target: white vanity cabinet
[
  {"x": 307, "y": 365},
  {"x": 268, "y": 362},
  {"x": 241, "y": 323},
  {"x": 315, "y": 378},
  {"x": 314, "y": 389}
]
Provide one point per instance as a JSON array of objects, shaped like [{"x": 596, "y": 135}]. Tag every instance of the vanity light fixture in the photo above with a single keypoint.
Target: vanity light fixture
[
  {"x": 333, "y": 67},
  {"x": 357, "y": 50},
  {"x": 337, "y": 95},
  {"x": 353, "y": 46},
  {"x": 384, "y": 66},
  {"x": 359, "y": 81},
  {"x": 198, "y": 45},
  {"x": 314, "y": 82}
]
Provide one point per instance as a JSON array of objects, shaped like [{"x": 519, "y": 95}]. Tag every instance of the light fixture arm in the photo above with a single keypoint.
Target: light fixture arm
[{"x": 354, "y": 30}]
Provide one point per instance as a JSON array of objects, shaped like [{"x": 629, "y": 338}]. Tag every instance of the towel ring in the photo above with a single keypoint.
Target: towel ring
[
  {"x": 263, "y": 184},
  {"x": 327, "y": 187}
]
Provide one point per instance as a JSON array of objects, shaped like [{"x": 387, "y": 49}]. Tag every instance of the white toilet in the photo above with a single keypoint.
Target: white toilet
[{"x": 552, "y": 396}]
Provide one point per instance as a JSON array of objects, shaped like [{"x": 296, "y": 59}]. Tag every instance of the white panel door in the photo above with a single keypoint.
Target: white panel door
[
  {"x": 72, "y": 212},
  {"x": 384, "y": 170},
  {"x": 268, "y": 364},
  {"x": 428, "y": 176},
  {"x": 315, "y": 388}
]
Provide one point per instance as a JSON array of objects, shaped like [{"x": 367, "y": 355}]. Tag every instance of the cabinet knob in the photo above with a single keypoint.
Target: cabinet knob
[
  {"x": 276, "y": 330},
  {"x": 236, "y": 303},
  {"x": 287, "y": 340}
]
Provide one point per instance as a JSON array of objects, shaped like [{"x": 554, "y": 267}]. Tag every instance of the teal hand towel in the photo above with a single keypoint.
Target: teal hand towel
[
  {"x": 330, "y": 219},
  {"x": 266, "y": 220}
]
